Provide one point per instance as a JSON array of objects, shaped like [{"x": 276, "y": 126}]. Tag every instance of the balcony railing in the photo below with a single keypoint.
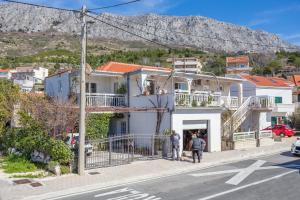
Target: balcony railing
[
  {"x": 230, "y": 102},
  {"x": 197, "y": 100},
  {"x": 105, "y": 100},
  {"x": 264, "y": 102}
]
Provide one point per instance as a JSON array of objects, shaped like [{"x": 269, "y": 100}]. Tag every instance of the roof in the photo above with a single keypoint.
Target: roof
[
  {"x": 296, "y": 80},
  {"x": 4, "y": 70},
  {"x": 125, "y": 67},
  {"x": 238, "y": 59},
  {"x": 267, "y": 81}
]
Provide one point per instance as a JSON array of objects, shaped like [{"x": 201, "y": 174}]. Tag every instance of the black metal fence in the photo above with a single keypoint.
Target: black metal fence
[{"x": 119, "y": 150}]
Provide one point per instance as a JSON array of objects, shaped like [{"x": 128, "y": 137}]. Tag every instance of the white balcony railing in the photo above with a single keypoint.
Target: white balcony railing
[
  {"x": 197, "y": 100},
  {"x": 230, "y": 102},
  {"x": 105, "y": 100}
]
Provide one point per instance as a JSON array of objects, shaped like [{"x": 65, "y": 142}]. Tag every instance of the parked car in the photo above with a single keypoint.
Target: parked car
[
  {"x": 296, "y": 147},
  {"x": 73, "y": 138},
  {"x": 281, "y": 130}
]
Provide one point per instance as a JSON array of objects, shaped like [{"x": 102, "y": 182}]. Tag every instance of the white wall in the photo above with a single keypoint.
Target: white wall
[
  {"x": 40, "y": 73},
  {"x": 214, "y": 125},
  {"x": 285, "y": 93},
  {"x": 58, "y": 86},
  {"x": 248, "y": 89}
]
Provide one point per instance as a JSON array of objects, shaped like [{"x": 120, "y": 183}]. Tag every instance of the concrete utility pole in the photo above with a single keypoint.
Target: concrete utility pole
[{"x": 82, "y": 95}]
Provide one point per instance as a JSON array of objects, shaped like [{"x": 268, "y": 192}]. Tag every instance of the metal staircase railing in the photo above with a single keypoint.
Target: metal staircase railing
[{"x": 237, "y": 118}]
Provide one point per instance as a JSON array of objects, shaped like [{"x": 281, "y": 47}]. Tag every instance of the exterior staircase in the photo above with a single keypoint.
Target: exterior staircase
[{"x": 240, "y": 115}]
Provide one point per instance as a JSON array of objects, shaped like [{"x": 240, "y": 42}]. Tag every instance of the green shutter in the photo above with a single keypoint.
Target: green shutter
[
  {"x": 278, "y": 99},
  {"x": 273, "y": 120}
]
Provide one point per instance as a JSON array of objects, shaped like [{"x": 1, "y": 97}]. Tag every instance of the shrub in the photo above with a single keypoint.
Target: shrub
[{"x": 59, "y": 151}]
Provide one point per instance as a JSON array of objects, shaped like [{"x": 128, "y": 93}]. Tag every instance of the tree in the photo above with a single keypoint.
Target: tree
[
  {"x": 9, "y": 95},
  {"x": 55, "y": 117}
]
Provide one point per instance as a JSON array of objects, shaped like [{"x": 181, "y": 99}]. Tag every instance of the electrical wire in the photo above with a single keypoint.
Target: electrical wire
[
  {"x": 113, "y": 6},
  {"x": 139, "y": 36},
  {"x": 41, "y": 6}
]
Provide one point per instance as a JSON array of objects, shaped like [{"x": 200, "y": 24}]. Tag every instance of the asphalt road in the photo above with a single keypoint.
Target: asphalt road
[{"x": 275, "y": 177}]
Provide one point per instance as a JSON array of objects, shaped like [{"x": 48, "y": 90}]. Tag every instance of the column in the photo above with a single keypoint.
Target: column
[
  {"x": 189, "y": 82},
  {"x": 240, "y": 93}
]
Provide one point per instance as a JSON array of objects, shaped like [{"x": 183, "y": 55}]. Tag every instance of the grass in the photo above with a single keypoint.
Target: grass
[
  {"x": 28, "y": 176},
  {"x": 16, "y": 164}
]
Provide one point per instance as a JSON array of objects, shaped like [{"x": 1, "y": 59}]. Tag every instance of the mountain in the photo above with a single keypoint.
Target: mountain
[{"x": 176, "y": 31}]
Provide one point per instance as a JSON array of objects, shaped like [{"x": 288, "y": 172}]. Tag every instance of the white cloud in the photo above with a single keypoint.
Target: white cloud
[{"x": 257, "y": 22}]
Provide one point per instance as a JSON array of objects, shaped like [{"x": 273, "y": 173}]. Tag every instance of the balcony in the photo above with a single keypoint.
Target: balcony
[
  {"x": 230, "y": 102},
  {"x": 199, "y": 99},
  {"x": 105, "y": 100}
]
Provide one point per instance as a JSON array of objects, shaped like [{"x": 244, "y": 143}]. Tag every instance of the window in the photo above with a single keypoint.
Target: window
[
  {"x": 116, "y": 87},
  {"x": 87, "y": 87},
  {"x": 123, "y": 127},
  {"x": 93, "y": 88},
  {"x": 150, "y": 86},
  {"x": 278, "y": 99},
  {"x": 181, "y": 86}
]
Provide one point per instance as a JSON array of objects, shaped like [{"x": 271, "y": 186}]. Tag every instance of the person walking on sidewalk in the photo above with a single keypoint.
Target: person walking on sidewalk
[
  {"x": 198, "y": 145},
  {"x": 175, "y": 138}
]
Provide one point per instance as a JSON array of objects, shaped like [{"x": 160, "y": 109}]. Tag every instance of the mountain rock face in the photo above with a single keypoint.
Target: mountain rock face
[{"x": 174, "y": 31}]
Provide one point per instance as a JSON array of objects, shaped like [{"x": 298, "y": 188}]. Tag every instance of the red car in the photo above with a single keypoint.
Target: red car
[{"x": 281, "y": 130}]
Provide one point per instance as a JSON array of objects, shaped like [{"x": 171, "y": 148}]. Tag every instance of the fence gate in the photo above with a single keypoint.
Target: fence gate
[{"x": 119, "y": 150}]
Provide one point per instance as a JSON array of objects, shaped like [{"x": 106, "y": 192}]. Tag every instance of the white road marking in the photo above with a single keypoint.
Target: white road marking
[
  {"x": 242, "y": 175},
  {"x": 130, "y": 194},
  {"x": 246, "y": 186}
]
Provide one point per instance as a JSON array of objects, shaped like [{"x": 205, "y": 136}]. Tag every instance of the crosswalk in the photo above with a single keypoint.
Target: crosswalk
[{"x": 126, "y": 194}]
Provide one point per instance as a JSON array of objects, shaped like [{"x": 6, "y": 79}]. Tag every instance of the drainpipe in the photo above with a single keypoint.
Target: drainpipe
[{"x": 128, "y": 102}]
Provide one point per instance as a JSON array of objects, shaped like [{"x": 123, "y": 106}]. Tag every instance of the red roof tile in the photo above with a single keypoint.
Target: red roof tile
[
  {"x": 125, "y": 67},
  {"x": 238, "y": 59},
  {"x": 4, "y": 70},
  {"x": 267, "y": 81}
]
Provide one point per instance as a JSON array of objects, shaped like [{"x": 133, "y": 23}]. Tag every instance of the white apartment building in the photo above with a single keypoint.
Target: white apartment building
[{"x": 187, "y": 64}]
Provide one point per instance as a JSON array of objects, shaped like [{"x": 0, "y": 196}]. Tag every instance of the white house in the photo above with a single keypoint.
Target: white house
[
  {"x": 276, "y": 91},
  {"x": 29, "y": 77},
  {"x": 186, "y": 102},
  {"x": 5, "y": 73}
]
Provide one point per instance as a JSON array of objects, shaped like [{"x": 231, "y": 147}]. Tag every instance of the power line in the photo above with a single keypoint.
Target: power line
[
  {"x": 41, "y": 6},
  {"x": 139, "y": 36},
  {"x": 149, "y": 33},
  {"x": 200, "y": 36},
  {"x": 116, "y": 5}
]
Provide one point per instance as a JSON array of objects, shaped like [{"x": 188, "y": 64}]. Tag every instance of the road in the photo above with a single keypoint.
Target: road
[{"x": 274, "y": 177}]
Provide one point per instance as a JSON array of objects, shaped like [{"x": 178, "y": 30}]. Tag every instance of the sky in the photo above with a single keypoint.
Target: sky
[{"x": 281, "y": 17}]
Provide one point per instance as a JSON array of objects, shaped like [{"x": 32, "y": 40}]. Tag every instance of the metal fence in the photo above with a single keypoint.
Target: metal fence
[{"x": 119, "y": 150}]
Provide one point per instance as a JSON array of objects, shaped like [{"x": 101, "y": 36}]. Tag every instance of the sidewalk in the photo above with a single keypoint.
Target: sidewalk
[{"x": 137, "y": 171}]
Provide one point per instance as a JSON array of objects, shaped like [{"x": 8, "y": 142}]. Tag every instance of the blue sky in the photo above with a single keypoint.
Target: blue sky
[{"x": 281, "y": 17}]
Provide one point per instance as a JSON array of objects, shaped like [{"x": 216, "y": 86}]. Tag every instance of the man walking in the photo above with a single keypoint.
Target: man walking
[
  {"x": 198, "y": 145},
  {"x": 175, "y": 138}
]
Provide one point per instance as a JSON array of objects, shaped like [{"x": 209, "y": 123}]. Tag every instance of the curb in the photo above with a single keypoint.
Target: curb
[{"x": 139, "y": 179}]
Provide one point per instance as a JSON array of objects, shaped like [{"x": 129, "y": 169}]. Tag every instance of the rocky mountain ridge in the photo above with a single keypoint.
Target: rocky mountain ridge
[{"x": 174, "y": 31}]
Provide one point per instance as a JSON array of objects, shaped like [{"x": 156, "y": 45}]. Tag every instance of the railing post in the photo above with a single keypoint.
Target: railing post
[
  {"x": 257, "y": 137},
  {"x": 153, "y": 143},
  {"x": 105, "y": 100},
  {"x": 110, "y": 151}
]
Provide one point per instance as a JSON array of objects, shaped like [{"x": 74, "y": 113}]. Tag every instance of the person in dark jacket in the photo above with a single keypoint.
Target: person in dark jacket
[
  {"x": 198, "y": 145},
  {"x": 175, "y": 138}
]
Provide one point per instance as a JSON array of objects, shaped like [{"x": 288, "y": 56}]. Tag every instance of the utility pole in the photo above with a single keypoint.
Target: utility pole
[{"x": 81, "y": 157}]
